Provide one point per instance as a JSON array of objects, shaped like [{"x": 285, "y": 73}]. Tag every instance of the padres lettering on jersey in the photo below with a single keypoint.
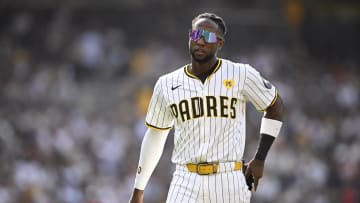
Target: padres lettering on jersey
[
  {"x": 209, "y": 117},
  {"x": 194, "y": 107}
]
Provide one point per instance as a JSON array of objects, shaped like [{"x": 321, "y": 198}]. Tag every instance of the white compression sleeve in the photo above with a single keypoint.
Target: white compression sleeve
[{"x": 151, "y": 150}]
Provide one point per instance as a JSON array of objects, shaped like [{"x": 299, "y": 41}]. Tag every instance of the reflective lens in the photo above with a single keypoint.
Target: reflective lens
[{"x": 209, "y": 37}]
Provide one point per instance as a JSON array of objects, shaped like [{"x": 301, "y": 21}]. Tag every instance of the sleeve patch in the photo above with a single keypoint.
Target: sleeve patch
[{"x": 267, "y": 84}]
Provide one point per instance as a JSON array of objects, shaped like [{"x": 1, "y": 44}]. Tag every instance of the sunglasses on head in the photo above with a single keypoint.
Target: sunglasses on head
[{"x": 209, "y": 37}]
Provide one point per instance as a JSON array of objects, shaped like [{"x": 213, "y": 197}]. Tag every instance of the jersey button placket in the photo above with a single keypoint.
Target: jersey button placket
[{"x": 202, "y": 122}]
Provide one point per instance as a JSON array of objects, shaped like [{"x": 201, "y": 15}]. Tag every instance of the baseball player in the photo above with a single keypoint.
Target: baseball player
[{"x": 204, "y": 102}]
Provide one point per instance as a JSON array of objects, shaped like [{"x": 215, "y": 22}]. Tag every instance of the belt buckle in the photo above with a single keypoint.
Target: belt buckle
[{"x": 214, "y": 168}]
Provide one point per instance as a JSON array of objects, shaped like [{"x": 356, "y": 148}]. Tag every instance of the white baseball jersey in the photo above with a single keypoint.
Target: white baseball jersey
[{"x": 209, "y": 117}]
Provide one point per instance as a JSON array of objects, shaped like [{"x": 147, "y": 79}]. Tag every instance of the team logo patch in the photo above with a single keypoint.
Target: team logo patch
[
  {"x": 228, "y": 83},
  {"x": 267, "y": 84}
]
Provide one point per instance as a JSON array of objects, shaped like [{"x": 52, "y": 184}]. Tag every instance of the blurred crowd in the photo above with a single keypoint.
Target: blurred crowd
[{"x": 75, "y": 89}]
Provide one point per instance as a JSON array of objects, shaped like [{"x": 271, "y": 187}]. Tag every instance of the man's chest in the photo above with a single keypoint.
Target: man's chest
[
  {"x": 187, "y": 88},
  {"x": 190, "y": 98}
]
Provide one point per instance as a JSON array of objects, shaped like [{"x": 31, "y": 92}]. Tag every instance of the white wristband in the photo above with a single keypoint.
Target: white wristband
[{"x": 270, "y": 126}]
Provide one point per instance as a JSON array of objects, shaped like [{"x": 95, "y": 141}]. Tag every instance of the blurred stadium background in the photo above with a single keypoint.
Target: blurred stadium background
[{"x": 76, "y": 77}]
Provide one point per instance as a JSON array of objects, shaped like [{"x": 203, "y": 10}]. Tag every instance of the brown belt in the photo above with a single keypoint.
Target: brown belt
[{"x": 211, "y": 168}]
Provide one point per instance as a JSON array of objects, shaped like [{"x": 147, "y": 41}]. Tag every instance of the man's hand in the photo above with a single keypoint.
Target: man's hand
[
  {"x": 255, "y": 168},
  {"x": 137, "y": 196}
]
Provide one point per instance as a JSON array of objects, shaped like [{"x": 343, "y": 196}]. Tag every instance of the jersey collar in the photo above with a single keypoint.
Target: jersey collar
[{"x": 217, "y": 66}]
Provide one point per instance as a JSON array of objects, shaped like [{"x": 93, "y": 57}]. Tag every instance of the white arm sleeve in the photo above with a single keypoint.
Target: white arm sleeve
[{"x": 151, "y": 150}]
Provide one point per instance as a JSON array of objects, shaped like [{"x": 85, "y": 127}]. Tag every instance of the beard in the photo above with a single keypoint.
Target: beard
[{"x": 204, "y": 59}]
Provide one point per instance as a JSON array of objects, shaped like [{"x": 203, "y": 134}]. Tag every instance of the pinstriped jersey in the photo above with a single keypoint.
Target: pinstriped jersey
[{"x": 208, "y": 118}]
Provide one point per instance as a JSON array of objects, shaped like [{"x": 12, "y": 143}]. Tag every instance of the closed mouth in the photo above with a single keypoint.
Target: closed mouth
[{"x": 199, "y": 51}]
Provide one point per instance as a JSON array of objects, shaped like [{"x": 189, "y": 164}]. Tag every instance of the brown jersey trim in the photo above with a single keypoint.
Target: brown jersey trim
[
  {"x": 187, "y": 72},
  {"x": 156, "y": 128},
  {"x": 273, "y": 101},
  {"x": 217, "y": 66}
]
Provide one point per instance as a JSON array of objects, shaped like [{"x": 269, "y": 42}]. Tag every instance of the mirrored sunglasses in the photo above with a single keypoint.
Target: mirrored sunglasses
[{"x": 209, "y": 37}]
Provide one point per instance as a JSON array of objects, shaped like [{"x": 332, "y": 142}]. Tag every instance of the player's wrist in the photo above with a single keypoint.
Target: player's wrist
[
  {"x": 259, "y": 157},
  {"x": 269, "y": 130},
  {"x": 264, "y": 146},
  {"x": 258, "y": 161}
]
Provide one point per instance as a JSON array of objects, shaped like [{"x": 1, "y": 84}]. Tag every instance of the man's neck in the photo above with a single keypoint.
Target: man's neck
[
  {"x": 203, "y": 70},
  {"x": 200, "y": 68}
]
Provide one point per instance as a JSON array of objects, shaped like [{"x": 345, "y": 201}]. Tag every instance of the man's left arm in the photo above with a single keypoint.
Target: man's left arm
[{"x": 270, "y": 127}]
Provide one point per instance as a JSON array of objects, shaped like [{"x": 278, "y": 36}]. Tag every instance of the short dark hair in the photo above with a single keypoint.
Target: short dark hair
[{"x": 217, "y": 19}]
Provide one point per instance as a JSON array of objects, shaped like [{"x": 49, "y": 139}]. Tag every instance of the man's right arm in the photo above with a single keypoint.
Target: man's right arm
[
  {"x": 137, "y": 196},
  {"x": 151, "y": 150}
]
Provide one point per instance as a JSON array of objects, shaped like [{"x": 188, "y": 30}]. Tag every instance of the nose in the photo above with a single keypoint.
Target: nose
[{"x": 201, "y": 41}]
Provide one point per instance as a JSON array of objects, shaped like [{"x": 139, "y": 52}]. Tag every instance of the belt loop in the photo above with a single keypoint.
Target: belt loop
[{"x": 216, "y": 167}]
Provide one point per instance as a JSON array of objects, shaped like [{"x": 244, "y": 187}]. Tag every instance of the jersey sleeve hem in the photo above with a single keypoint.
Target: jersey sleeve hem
[
  {"x": 155, "y": 127},
  {"x": 272, "y": 102}
]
